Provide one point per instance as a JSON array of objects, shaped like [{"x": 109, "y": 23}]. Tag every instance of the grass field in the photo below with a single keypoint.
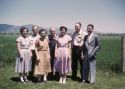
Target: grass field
[
  {"x": 108, "y": 68},
  {"x": 109, "y": 57},
  {"x": 104, "y": 80},
  {"x": 7, "y": 50}
]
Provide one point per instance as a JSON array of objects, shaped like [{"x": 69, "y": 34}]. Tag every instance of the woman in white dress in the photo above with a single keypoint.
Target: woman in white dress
[{"x": 23, "y": 60}]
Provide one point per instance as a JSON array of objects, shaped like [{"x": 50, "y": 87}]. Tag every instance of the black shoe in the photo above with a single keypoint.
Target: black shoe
[
  {"x": 80, "y": 80},
  {"x": 85, "y": 81},
  {"x": 74, "y": 78}
]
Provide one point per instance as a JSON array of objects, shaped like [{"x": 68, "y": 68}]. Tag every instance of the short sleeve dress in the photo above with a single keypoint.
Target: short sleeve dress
[
  {"x": 43, "y": 67},
  {"x": 23, "y": 66},
  {"x": 62, "y": 54}
]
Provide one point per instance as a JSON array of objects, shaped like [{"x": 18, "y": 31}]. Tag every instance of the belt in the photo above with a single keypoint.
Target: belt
[
  {"x": 24, "y": 48},
  {"x": 42, "y": 50},
  {"x": 62, "y": 46}
]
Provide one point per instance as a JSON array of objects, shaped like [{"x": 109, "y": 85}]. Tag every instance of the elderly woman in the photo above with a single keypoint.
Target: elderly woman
[
  {"x": 42, "y": 66},
  {"x": 23, "y": 61},
  {"x": 62, "y": 55}
]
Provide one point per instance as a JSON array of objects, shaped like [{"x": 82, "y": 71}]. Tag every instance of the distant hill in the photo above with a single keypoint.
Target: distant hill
[{"x": 6, "y": 28}]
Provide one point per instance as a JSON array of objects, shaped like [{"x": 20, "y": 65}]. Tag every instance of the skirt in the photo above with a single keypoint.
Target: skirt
[
  {"x": 44, "y": 66},
  {"x": 62, "y": 61},
  {"x": 24, "y": 66}
]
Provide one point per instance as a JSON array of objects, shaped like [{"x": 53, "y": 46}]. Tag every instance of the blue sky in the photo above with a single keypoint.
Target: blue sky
[{"x": 106, "y": 15}]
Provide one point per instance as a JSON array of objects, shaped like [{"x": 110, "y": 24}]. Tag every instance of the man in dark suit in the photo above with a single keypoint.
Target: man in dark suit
[
  {"x": 52, "y": 44},
  {"x": 90, "y": 47}
]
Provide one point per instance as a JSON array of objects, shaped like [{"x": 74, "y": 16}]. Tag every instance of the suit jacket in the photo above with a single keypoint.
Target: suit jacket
[{"x": 91, "y": 47}]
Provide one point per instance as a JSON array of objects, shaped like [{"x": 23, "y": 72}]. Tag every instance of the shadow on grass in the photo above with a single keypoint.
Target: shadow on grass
[
  {"x": 15, "y": 79},
  {"x": 50, "y": 77}
]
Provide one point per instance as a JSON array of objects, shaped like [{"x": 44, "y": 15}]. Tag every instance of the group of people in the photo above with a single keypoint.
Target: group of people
[{"x": 41, "y": 54}]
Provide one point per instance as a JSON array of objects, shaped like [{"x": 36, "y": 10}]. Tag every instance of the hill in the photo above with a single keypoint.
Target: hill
[{"x": 6, "y": 28}]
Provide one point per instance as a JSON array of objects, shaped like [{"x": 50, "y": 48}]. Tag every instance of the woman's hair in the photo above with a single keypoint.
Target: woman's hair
[
  {"x": 41, "y": 30},
  {"x": 22, "y": 29},
  {"x": 63, "y": 27}
]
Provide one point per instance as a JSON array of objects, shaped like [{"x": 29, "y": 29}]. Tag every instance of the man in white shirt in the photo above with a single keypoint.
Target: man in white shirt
[
  {"x": 33, "y": 39},
  {"x": 77, "y": 42}
]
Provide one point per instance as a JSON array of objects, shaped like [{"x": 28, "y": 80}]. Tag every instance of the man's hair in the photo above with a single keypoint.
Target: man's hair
[{"x": 91, "y": 25}]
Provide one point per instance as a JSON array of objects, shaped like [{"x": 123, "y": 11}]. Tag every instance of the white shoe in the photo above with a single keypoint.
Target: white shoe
[
  {"x": 60, "y": 81},
  {"x": 92, "y": 83},
  {"x": 21, "y": 79},
  {"x": 25, "y": 77},
  {"x": 64, "y": 80},
  {"x": 83, "y": 81}
]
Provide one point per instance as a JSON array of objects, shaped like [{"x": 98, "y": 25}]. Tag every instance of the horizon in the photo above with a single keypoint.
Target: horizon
[
  {"x": 57, "y": 28},
  {"x": 106, "y": 15}
]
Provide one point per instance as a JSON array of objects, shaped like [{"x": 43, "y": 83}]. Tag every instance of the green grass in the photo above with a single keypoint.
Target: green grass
[
  {"x": 7, "y": 49},
  {"x": 108, "y": 68},
  {"x": 109, "y": 56},
  {"x": 104, "y": 80}
]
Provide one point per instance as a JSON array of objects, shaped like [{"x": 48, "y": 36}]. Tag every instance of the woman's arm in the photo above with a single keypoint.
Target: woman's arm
[
  {"x": 69, "y": 49},
  {"x": 19, "y": 51},
  {"x": 36, "y": 50},
  {"x": 55, "y": 51},
  {"x": 48, "y": 51},
  {"x": 18, "y": 48}
]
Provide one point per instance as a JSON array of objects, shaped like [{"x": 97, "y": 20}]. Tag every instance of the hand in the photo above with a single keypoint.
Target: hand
[
  {"x": 21, "y": 59},
  {"x": 37, "y": 61},
  {"x": 82, "y": 57},
  {"x": 31, "y": 54},
  {"x": 49, "y": 58},
  {"x": 69, "y": 57},
  {"x": 55, "y": 55},
  {"x": 91, "y": 55},
  {"x": 55, "y": 58}
]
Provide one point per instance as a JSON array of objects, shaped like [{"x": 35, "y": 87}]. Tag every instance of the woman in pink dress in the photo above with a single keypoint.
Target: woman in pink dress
[{"x": 62, "y": 55}]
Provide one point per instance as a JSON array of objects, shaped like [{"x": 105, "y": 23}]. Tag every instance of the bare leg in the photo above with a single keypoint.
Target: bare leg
[
  {"x": 25, "y": 77},
  {"x": 45, "y": 77},
  {"x": 64, "y": 79},
  {"x": 61, "y": 78}
]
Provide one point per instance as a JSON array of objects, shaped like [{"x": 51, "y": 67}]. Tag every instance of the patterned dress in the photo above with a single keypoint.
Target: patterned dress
[
  {"x": 62, "y": 54},
  {"x": 43, "y": 67},
  {"x": 23, "y": 66}
]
